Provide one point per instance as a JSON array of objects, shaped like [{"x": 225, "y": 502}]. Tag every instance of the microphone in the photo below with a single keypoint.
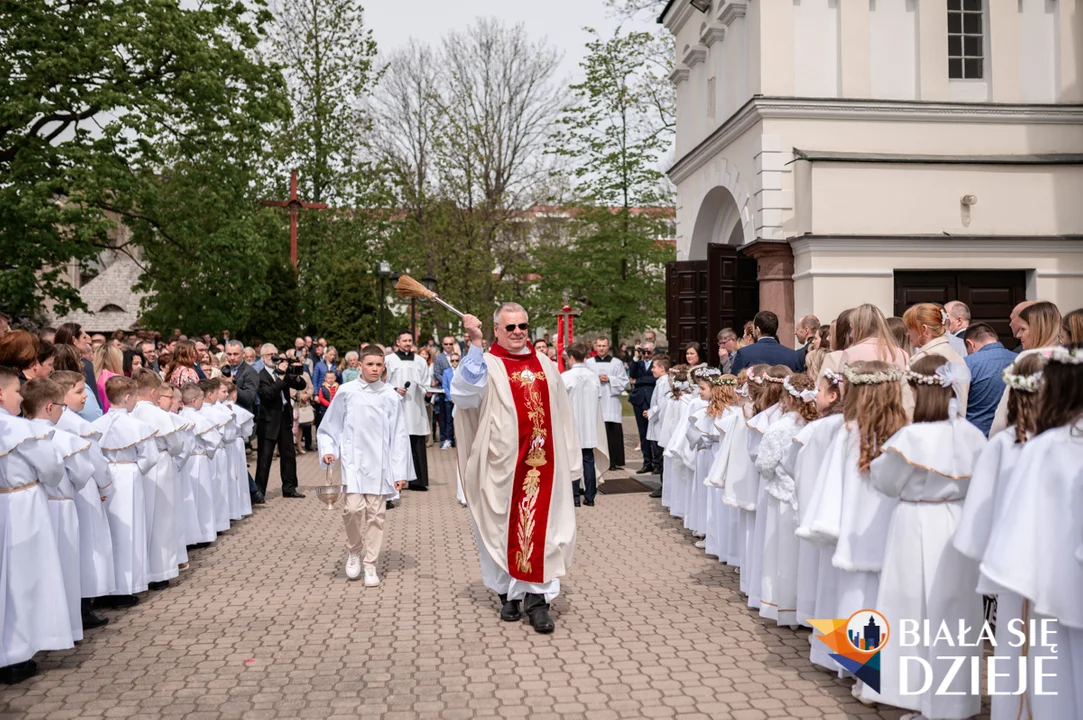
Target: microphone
[{"x": 406, "y": 386}]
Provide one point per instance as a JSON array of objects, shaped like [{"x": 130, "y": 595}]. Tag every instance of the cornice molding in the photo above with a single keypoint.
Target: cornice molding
[
  {"x": 760, "y": 108},
  {"x": 679, "y": 74},
  {"x": 694, "y": 55},
  {"x": 674, "y": 18},
  {"x": 711, "y": 34},
  {"x": 731, "y": 11},
  {"x": 902, "y": 244}
]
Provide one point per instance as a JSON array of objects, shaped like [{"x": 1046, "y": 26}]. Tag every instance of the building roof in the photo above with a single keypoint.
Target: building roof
[
  {"x": 112, "y": 303},
  {"x": 889, "y": 158}
]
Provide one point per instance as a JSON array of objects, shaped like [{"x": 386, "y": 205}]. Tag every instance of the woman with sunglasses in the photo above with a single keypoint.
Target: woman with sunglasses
[{"x": 525, "y": 547}]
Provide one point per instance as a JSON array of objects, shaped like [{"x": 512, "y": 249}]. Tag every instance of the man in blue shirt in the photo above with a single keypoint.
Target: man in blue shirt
[{"x": 986, "y": 361}]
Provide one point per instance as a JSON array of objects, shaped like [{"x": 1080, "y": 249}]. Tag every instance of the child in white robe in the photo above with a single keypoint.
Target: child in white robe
[
  {"x": 43, "y": 404},
  {"x": 723, "y": 398},
  {"x": 672, "y": 418},
  {"x": 655, "y": 413},
  {"x": 700, "y": 436},
  {"x": 183, "y": 500},
  {"x": 33, "y": 613},
  {"x": 129, "y": 447},
  {"x": 817, "y": 579},
  {"x": 738, "y": 474},
  {"x": 215, "y": 409},
  {"x": 97, "y": 577},
  {"x": 768, "y": 381},
  {"x": 245, "y": 425},
  {"x": 205, "y": 442},
  {"x": 161, "y": 491},
  {"x": 927, "y": 465},
  {"x": 365, "y": 429},
  {"x": 1033, "y": 548},
  {"x": 780, "y": 553},
  {"x": 584, "y": 391},
  {"x": 985, "y": 502}
]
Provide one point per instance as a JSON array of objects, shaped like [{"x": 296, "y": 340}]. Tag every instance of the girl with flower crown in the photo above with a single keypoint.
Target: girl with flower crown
[
  {"x": 817, "y": 581},
  {"x": 698, "y": 451},
  {"x": 1035, "y": 547},
  {"x": 734, "y": 471},
  {"x": 677, "y": 472},
  {"x": 721, "y": 518},
  {"x": 927, "y": 328},
  {"x": 703, "y": 432},
  {"x": 984, "y": 502},
  {"x": 768, "y": 412},
  {"x": 927, "y": 467},
  {"x": 780, "y": 564}
]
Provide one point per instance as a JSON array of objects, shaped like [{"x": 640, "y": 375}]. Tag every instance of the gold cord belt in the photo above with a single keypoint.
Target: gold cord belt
[{"x": 5, "y": 491}]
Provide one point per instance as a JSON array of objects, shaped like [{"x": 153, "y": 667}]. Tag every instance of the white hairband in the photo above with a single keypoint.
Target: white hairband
[{"x": 802, "y": 395}]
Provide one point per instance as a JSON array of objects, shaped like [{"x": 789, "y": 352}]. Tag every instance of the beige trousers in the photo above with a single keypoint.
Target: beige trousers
[{"x": 363, "y": 516}]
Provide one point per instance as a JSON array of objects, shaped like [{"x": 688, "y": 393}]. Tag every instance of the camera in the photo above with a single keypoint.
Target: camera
[{"x": 293, "y": 368}]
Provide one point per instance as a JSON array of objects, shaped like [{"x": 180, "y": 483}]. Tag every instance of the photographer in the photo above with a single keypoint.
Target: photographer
[
  {"x": 275, "y": 424},
  {"x": 639, "y": 371}
]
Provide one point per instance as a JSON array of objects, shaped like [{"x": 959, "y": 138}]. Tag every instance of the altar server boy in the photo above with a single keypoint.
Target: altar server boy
[
  {"x": 584, "y": 392},
  {"x": 43, "y": 404},
  {"x": 365, "y": 428},
  {"x": 659, "y": 400},
  {"x": 184, "y": 502},
  {"x": 227, "y": 433},
  {"x": 161, "y": 492},
  {"x": 130, "y": 449},
  {"x": 33, "y": 614},
  {"x": 245, "y": 422},
  {"x": 206, "y": 440},
  {"x": 95, "y": 540}
]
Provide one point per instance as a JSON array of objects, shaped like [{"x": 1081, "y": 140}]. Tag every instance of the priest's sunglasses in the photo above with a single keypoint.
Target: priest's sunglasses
[{"x": 521, "y": 326}]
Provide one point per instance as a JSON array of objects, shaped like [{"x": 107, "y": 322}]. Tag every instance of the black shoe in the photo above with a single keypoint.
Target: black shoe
[
  {"x": 199, "y": 546},
  {"x": 656, "y": 494},
  {"x": 509, "y": 610},
  {"x": 577, "y": 504},
  {"x": 292, "y": 494},
  {"x": 118, "y": 601},
  {"x": 537, "y": 611},
  {"x": 158, "y": 585},
  {"x": 257, "y": 498},
  {"x": 417, "y": 488},
  {"x": 18, "y": 672},
  {"x": 389, "y": 505},
  {"x": 93, "y": 620},
  {"x": 588, "y": 503},
  {"x": 645, "y": 470}
]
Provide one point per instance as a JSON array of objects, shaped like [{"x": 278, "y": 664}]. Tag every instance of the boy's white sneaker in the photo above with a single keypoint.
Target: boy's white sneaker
[
  {"x": 353, "y": 566},
  {"x": 371, "y": 578}
]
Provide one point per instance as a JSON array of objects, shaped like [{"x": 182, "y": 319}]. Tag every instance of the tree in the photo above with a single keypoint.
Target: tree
[
  {"x": 276, "y": 313},
  {"x": 97, "y": 96},
  {"x": 615, "y": 129}
]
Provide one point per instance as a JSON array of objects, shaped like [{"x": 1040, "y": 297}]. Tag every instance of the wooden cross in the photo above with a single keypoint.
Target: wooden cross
[{"x": 294, "y": 204}]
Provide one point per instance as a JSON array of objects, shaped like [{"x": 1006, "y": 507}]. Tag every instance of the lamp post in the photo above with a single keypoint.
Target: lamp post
[{"x": 383, "y": 269}]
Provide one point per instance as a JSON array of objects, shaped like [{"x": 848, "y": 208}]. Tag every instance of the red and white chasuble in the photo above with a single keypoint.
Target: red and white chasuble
[{"x": 518, "y": 454}]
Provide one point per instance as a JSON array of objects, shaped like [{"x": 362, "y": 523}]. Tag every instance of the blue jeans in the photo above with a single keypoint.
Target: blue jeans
[
  {"x": 447, "y": 421},
  {"x": 589, "y": 477}
]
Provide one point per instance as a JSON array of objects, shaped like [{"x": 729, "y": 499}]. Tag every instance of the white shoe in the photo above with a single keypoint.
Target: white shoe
[
  {"x": 701, "y": 544},
  {"x": 353, "y": 566},
  {"x": 371, "y": 578}
]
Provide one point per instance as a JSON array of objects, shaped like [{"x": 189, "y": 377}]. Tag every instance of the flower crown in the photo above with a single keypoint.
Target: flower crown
[
  {"x": 775, "y": 380},
  {"x": 945, "y": 376},
  {"x": 802, "y": 395},
  {"x": 1064, "y": 356},
  {"x": 833, "y": 377},
  {"x": 681, "y": 385},
  {"x": 754, "y": 378},
  {"x": 944, "y": 317},
  {"x": 707, "y": 374},
  {"x": 1022, "y": 383},
  {"x": 742, "y": 391},
  {"x": 721, "y": 380},
  {"x": 876, "y": 378}
]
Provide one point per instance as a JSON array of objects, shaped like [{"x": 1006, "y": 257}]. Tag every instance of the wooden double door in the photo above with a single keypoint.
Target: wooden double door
[
  {"x": 990, "y": 294},
  {"x": 704, "y": 296}
]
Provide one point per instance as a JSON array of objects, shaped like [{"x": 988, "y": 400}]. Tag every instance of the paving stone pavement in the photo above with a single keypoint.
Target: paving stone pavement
[{"x": 265, "y": 625}]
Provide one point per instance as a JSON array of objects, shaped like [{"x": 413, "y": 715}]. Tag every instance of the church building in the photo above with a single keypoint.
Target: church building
[{"x": 834, "y": 152}]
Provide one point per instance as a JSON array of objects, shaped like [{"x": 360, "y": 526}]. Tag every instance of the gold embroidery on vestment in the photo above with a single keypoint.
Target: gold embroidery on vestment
[{"x": 535, "y": 458}]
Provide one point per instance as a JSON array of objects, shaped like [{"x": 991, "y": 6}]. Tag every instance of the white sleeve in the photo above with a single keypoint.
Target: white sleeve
[
  {"x": 43, "y": 459},
  {"x": 618, "y": 379},
  {"x": 400, "y": 446},
  {"x": 471, "y": 379},
  {"x": 329, "y": 434},
  {"x": 146, "y": 455}
]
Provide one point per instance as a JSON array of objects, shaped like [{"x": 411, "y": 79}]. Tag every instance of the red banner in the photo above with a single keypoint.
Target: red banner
[{"x": 533, "y": 487}]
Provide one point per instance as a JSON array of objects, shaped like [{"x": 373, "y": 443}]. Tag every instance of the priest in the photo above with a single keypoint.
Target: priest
[
  {"x": 410, "y": 375},
  {"x": 518, "y": 453},
  {"x": 614, "y": 380}
]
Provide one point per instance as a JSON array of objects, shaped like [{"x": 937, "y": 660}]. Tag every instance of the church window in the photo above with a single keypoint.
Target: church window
[
  {"x": 111, "y": 308},
  {"x": 966, "y": 39}
]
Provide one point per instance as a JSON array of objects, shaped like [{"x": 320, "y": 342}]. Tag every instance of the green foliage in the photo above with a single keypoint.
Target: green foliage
[
  {"x": 276, "y": 313},
  {"x": 351, "y": 313},
  {"x": 611, "y": 264},
  {"x": 99, "y": 100}
]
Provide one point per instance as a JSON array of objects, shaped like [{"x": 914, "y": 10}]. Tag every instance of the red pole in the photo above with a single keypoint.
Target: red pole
[{"x": 560, "y": 342}]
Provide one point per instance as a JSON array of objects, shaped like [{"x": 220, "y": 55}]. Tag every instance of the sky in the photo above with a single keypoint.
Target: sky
[{"x": 394, "y": 22}]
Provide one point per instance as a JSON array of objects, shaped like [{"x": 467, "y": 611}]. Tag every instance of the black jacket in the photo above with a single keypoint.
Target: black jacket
[
  {"x": 767, "y": 351},
  {"x": 272, "y": 411},
  {"x": 246, "y": 378},
  {"x": 645, "y": 381}
]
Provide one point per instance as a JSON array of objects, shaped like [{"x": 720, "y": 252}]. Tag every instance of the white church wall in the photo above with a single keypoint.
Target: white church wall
[
  {"x": 816, "y": 48},
  {"x": 892, "y": 45}
]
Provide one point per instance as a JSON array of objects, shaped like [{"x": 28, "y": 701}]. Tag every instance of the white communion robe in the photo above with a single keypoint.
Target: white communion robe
[
  {"x": 699, "y": 435},
  {"x": 78, "y": 469},
  {"x": 1033, "y": 553},
  {"x": 739, "y": 483},
  {"x": 679, "y": 474},
  {"x": 753, "y": 576},
  {"x": 704, "y": 434},
  {"x": 778, "y": 587},
  {"x": 129, "y": 446},
  {"x": 488, "y": 438},
  {"x": 583, "y": 398},
  {"x": 927, "y": 466},
  {"x": 184, "y": 500},
  {"x": 97, "y": 576},
  {"x": 365, "y": 429},
  {"x": 729, "y": 527},
  {"x": 674, "y": 412},
  {"x": 161, "y": 492},
  {"x": 246, "y": 424},
  {"x": 33, "y": 610},
  {"x": 655, "y": 413},
  {"x": 418, "y": 373},
  {"x": 227, "y": 428},
  {"x": 206, "y": 440},
  {"x": 609, "y": 393}
]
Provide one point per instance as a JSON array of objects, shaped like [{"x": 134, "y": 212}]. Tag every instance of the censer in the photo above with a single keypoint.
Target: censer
[{"x": 329, "y": 492}]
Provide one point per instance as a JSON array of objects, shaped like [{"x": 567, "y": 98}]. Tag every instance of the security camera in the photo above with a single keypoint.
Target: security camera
[{"x": 969, "y": 200}]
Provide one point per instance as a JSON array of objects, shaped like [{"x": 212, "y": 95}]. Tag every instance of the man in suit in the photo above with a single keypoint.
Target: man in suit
[
  {"x": 766, "y": 350},
  {"x": 958, "y": 323},
  {"x": 639, "y": 372},
  {"x": 807, "y": 327},
  {"x": 275, "y": 423},
  {"x": 727, "y": 348}
]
